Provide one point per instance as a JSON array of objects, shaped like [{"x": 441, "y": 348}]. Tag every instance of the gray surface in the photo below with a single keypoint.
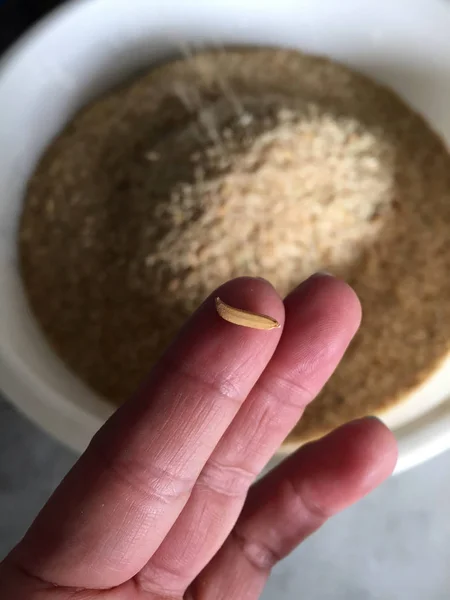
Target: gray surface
[{"x": 394, "y": 545}]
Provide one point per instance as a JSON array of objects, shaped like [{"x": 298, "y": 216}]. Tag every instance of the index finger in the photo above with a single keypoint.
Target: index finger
[{"x": 116, "y": 506}]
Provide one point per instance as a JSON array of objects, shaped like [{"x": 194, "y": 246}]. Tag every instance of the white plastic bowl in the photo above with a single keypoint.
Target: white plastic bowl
[{"x": 90, "y": 45}]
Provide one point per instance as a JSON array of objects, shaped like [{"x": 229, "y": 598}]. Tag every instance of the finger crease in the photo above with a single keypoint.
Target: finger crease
[
  {"x": 289, "y": 392},
  {"x": 316, "y": 511},
  {"x": 148, "y": 586},
  {"x": 220, "y": 385},
  {"x": 44, "y": 584},
  {"x": 226, "y": 480},
  {"x": 259, "y": 555},
  {"x": 148, "y": 481}
]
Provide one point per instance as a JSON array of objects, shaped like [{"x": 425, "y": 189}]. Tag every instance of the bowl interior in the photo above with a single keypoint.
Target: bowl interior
[{"x": 86, "y": 48}]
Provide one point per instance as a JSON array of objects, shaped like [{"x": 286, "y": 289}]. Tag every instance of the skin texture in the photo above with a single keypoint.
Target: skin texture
[{"x": 163, "y": 503}]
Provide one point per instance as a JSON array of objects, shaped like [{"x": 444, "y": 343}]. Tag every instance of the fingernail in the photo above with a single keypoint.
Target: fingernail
[
  {"x": 367, "y": 418},
  {"x": 323, "y": 274},
  {"x": 319, "y": 274}
]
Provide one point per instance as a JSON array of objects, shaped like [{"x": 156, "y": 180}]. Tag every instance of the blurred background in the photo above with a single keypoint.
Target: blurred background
[{"x": 393, "y": 545}]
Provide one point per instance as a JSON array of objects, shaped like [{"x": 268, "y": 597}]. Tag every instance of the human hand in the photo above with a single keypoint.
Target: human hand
[{"x": 162, "y": 506}]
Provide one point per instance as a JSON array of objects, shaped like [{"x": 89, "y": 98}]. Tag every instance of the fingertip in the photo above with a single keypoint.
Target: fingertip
[
  {"x": 212, "y": 347},
  {"x": 322, "y": 316},
  {"x": 379, "y": 445},
  {"x": 346, "y": 299},
  {"x": 341, "y": 468},
  {"x": 353, "y": 460},
  {"x": 338, "y": 295}
]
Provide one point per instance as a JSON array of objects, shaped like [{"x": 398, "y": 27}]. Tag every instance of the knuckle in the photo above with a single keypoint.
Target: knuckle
[
  {"x": 217, "y": 384},
  {"x": 287, "y": 390},
  {"x": 258, "y": 554},
  {"x": 149, "y": 480}
]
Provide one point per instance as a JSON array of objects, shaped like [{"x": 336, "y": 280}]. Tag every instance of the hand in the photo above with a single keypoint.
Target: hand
[{"x": 162, "y": 506}]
